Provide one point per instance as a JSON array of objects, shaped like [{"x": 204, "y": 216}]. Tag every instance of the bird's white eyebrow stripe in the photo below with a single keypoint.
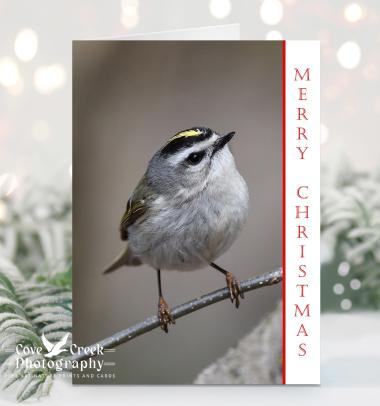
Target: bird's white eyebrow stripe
[{"x": 199, "y": 146}]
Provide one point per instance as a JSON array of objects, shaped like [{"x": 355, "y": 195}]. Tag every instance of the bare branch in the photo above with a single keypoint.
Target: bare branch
[{"x": 152, "y": 322}]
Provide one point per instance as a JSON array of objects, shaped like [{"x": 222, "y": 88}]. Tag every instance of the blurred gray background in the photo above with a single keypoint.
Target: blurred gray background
[{"x": 128, "y": 99}]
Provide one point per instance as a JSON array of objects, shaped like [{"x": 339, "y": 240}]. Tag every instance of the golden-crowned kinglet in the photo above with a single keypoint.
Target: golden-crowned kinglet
[{"x": 186, "y": 210}]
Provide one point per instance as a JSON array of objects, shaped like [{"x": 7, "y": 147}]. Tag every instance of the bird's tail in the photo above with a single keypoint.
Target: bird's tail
[{"x": 126, "y": 258}]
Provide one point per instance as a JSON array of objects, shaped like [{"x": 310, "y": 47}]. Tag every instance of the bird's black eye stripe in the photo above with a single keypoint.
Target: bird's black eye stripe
[{"x": 195, "y": 157}]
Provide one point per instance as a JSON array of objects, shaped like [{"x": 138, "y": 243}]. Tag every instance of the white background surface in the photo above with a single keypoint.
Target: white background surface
[{"x": 350, "y": 373}]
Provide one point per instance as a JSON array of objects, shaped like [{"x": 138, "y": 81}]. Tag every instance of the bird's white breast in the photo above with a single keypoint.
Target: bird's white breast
[{"x": 185, "y": 234}]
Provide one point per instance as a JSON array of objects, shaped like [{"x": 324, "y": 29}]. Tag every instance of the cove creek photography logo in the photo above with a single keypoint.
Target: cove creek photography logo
[{"x": 55, "y": 357}]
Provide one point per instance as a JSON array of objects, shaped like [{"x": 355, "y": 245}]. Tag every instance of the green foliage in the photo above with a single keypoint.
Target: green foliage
[
  {"x": 35, "y": 232},
  {"x": 350, "y": 225},
  {"x": 35, "y": 284},
  {"x": 60, "y": 279},
  {"x": 26, "y": 311}
]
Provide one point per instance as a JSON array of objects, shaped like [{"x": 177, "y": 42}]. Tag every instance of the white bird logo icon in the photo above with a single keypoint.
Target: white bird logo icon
[{"x": 54, "y": 349}]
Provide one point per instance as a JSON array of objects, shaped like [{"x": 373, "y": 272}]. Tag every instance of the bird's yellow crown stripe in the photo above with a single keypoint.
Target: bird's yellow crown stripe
[{"x": 185, "y": 134}]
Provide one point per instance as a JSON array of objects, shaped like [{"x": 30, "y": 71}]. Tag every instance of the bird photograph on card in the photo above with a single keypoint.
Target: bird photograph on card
[{"x": 186, "y": 211}]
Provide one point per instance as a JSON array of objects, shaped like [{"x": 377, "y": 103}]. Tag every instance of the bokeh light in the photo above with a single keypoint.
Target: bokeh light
[
  {"x": 26, "y": 45},
  {"x": 344, "y": 268},
  {"x": 349, "y": 55},
  {"x": 274, "y": 36},
  {"x": 271, "y": 12},
  {"x": 129, "y": 3},
  {"x": 49, "y": 78},
  {"x": 9, "y": 72},
  {"x": 129, "y": 21},
  {"x": 355, "y": 284},
  {"x": 129, "y": 14},
  {"x": 338, "y": 289},
  {"x": 353, "y": 12},
  {"x": 8, "y": 184},
  {"x": 220, "y": 8},
  {"x": 346, "y": 304}
]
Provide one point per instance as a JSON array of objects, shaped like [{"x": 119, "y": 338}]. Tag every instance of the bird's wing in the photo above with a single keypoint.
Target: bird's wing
[
  {"x": 61, "y": 342},
  {"x": 48, "y": 345},
  {"x": 137, "y": 205},
  {"x": 135, "y": 209}
]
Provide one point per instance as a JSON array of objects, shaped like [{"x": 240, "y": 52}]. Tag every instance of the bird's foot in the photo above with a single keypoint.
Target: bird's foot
[
  {"x": 235, "y": 289},
  {"x": 164, "y": 315}
]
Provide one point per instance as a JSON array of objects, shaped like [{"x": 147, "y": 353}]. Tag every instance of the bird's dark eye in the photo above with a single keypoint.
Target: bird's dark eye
[{"x": 195, "y": 157}]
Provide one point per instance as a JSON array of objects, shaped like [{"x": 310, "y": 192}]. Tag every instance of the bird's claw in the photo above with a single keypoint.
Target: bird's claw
[
  {"x": 235, "y": 289},
  {"x": 164, "y": 315}
]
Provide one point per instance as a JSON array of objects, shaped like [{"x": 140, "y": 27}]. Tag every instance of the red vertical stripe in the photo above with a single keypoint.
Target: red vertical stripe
[{"x": 284, "y": 212}]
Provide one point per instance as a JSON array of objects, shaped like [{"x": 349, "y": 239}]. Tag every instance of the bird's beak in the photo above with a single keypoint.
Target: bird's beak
[{"x": 223, "y": 140}]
